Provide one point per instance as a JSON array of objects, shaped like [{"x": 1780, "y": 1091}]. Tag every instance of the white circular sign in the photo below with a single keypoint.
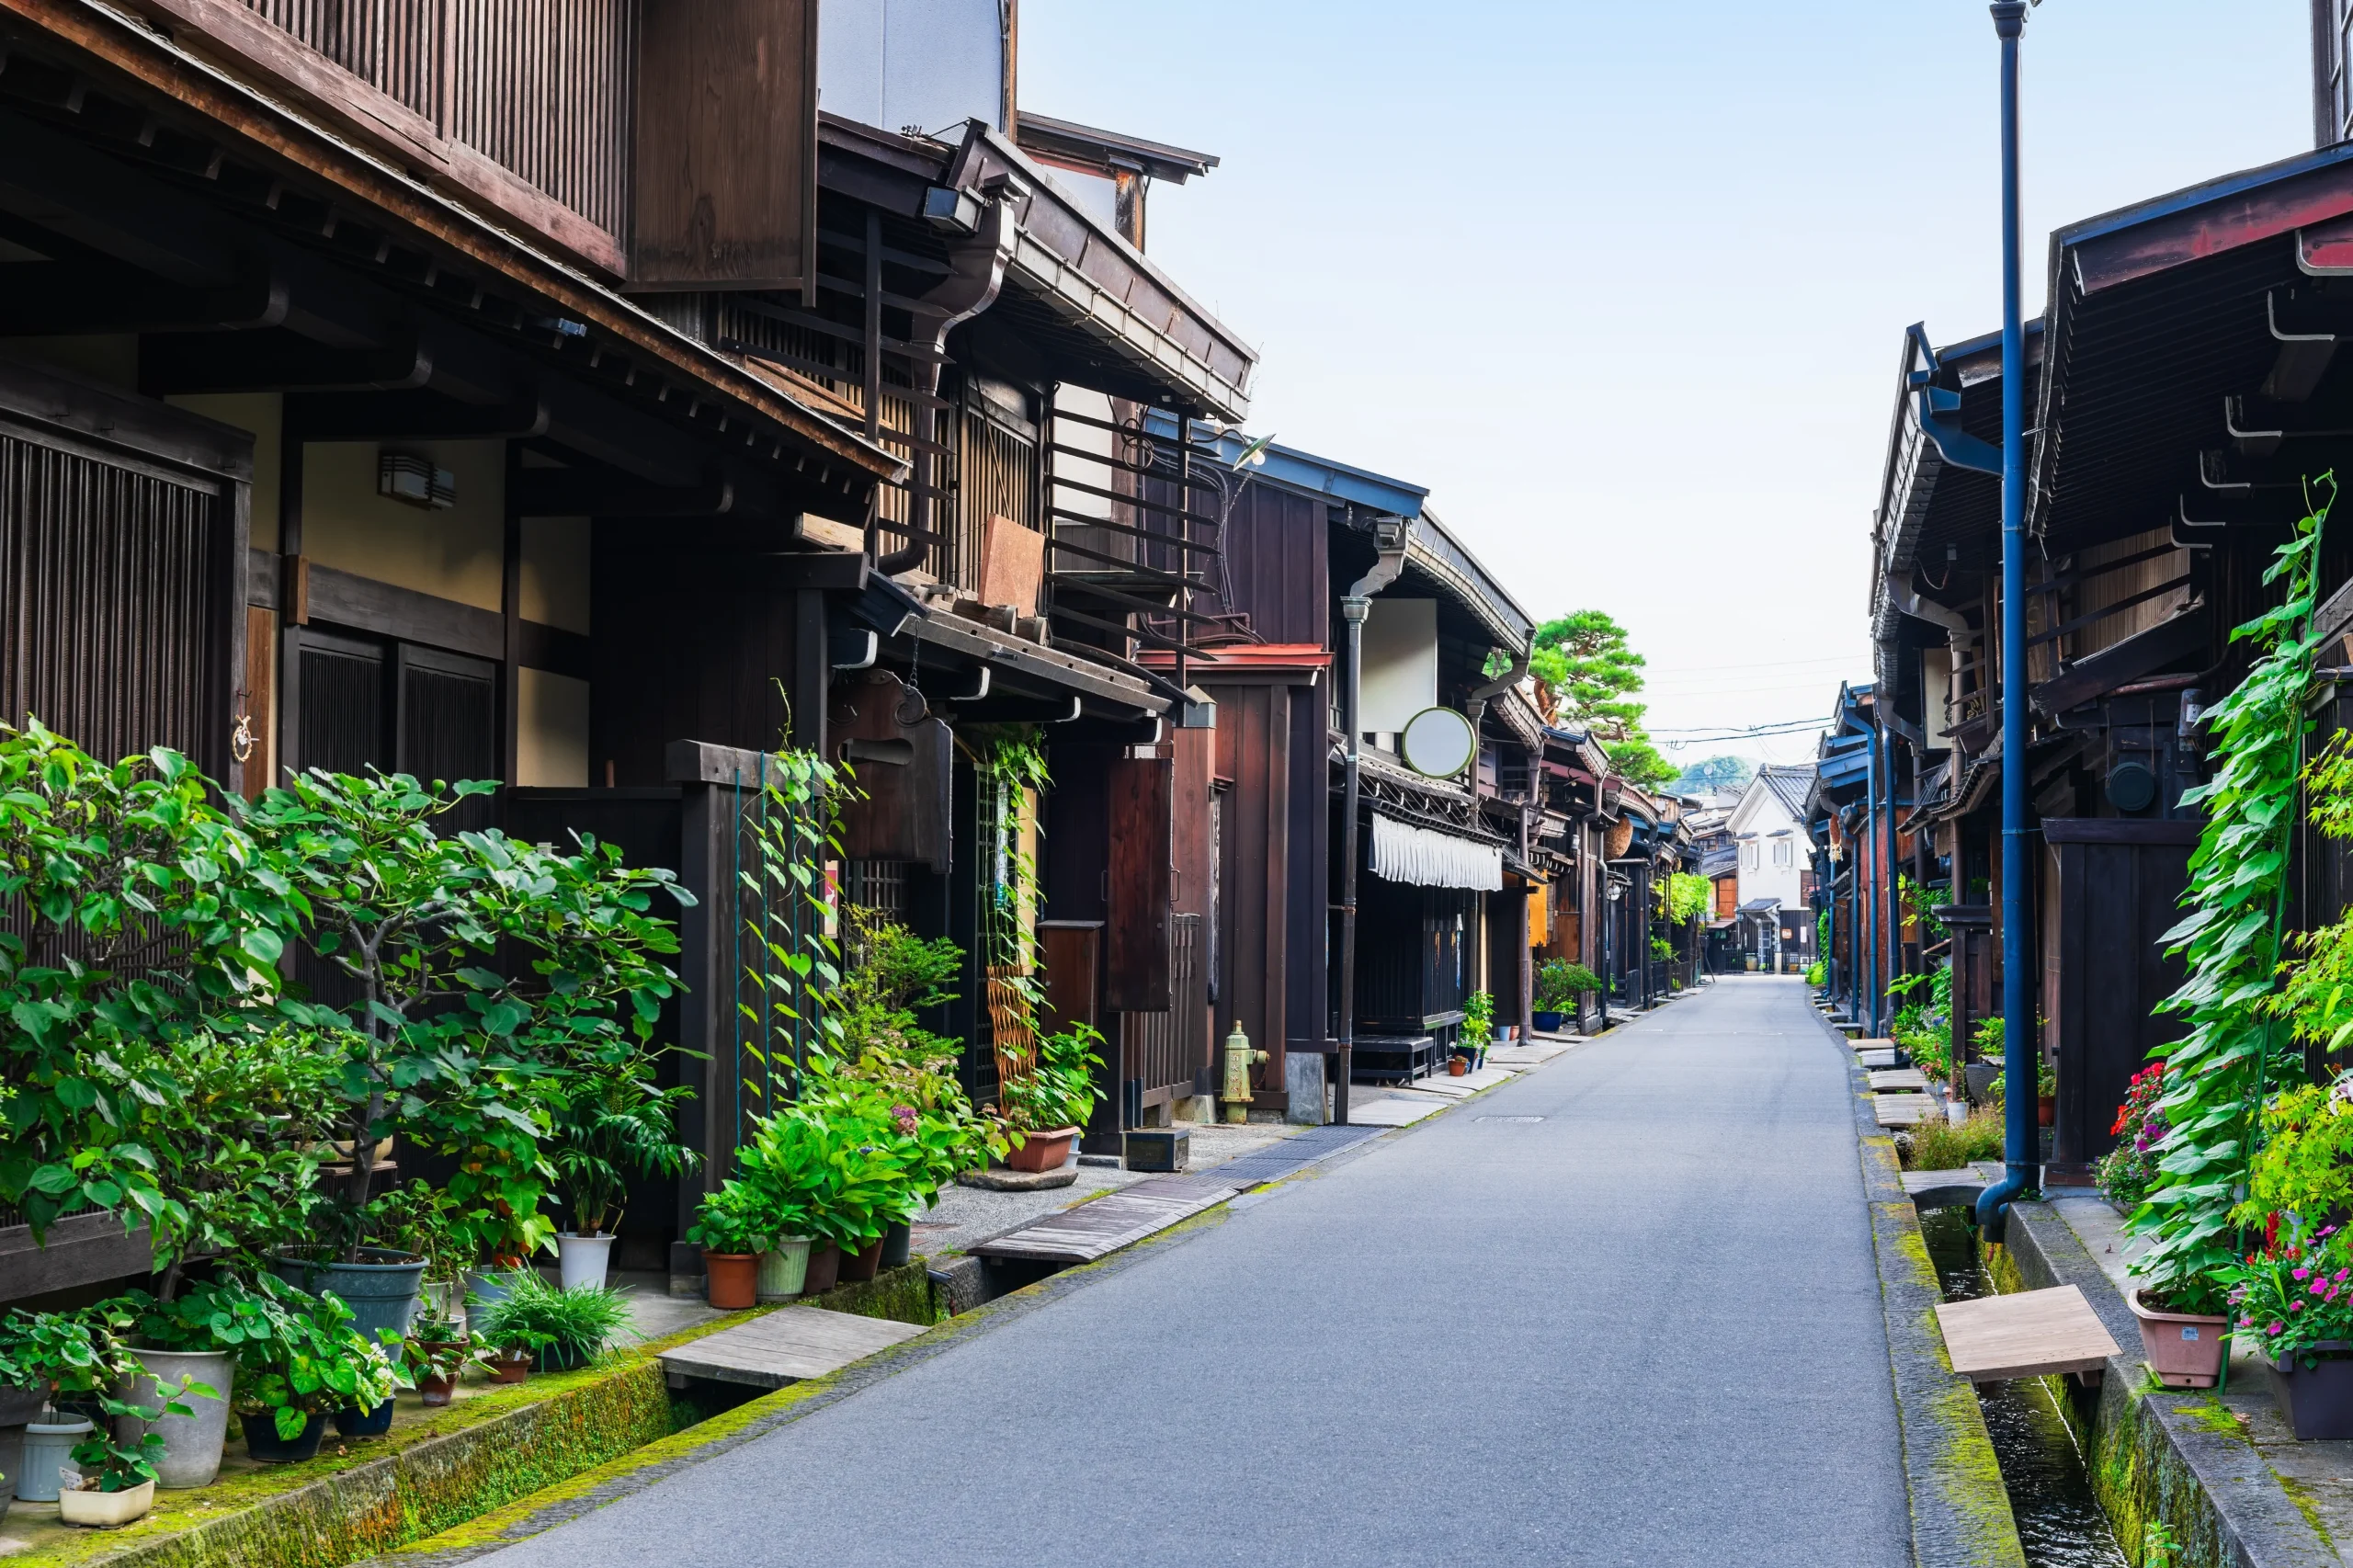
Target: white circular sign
[{"x": 1438, "y": 742}]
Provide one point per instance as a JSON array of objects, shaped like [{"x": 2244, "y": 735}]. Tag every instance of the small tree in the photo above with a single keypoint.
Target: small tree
[
  {"x": 1595, "y": 676},
  {"x": 434, "y": 1042}
]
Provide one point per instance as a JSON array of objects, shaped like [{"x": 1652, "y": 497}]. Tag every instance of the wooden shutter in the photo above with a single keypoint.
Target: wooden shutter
[{"x": 1135, "y": 947}]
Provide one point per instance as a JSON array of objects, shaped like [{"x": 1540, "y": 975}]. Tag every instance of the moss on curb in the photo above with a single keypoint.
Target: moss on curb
[{"x": 441, "y": 1470}]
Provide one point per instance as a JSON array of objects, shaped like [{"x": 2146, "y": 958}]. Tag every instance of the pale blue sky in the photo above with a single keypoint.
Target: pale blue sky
[{"x": 1625, "y": 284}]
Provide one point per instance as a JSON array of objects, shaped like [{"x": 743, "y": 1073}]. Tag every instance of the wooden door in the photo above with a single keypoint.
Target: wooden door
[{"x": 2119, "y": 885}]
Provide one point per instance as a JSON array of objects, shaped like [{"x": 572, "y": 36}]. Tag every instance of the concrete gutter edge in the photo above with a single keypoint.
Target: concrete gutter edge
[
  {"x": 2165, "y": 1454},
  {"x": 1959, "y": 1508}
]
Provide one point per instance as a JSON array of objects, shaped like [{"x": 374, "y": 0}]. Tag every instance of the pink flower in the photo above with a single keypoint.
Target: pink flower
[
  {"x": 2276, "y": 1327},
  {"x": 2300, "y": 1273},
  {"x": 2320, "y": 1287}
]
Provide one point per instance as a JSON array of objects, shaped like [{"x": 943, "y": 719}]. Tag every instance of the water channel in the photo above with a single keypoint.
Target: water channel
[{"x": 2060, "y": 1522}]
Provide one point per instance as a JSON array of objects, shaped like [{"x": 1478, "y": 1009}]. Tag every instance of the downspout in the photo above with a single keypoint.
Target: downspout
[
  {"x": 1871, "y": 905},
  {"x": 976, "y": 273},
  {"x": 1390, "y": 537},
  {"x": 2019, "y": 1136}
]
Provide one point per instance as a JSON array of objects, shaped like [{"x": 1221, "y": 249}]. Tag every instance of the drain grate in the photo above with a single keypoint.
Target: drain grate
[{"x": 1511, "y": 1118}]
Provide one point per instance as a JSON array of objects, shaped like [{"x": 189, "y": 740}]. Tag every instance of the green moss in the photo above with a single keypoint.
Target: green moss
[
  {"x": 902, "y": 1295},
  {"x": 2214, "y": 1415},
  {"x": 2302, "y": 1497}
]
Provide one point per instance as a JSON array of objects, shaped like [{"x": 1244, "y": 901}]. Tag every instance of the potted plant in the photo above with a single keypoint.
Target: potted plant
[
  {"x": 1046, "y": 1106},
  {"x": 732, "y": 1227},
  {"x": 291, "y": 1380},
  {"x": 2046, "y": 1092},
  {"x": 2185, "y": 1329},
  {"x": 1477, "y": 1031},
  {"x": 111, "y": 1482},
  {"x": 435, "y": 1353},
  {"x": 1559, "y": 984},
  {"x": 562, "y": 1329},
  {"x": 610, "y": 1122},
  {"x": 2295, "y": 1296},
  {"x": 191, "y": 1343}
]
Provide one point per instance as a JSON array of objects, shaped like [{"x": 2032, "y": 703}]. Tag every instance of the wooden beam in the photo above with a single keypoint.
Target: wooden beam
[{"x": 82, "y": 1249}]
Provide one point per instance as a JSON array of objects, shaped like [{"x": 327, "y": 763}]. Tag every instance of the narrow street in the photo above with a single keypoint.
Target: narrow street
[{"x": 1642, "y": 1329}]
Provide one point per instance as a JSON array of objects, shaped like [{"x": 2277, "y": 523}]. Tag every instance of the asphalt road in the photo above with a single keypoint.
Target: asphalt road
[{"x": 1643, "y": 1330}]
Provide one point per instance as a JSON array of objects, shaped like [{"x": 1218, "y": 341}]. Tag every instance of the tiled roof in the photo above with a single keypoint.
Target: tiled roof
[{"x": 1789, "y": 786}]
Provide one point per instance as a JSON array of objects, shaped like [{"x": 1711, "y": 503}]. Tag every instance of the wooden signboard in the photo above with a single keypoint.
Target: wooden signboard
[
  {"x": 1013, "y": 564},
  {"x": 1136, "y": 937}
]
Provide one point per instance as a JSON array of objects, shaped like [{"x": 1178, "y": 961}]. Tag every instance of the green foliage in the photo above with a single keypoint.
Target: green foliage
[
  {"x": 1559, "y": 984},
  {"x": 1817, "y": 973},
  {"x": 2304, "y": 1164},
  {"x": 610, "y": 1122},
  {"x": 1940, "y": 1146},
  {"x": 1478, "y": 1019},
  {"x": 563, "y": 1328},
  {"x": 438, "y": 1045},
  {"x": 737, "y": 1218},
  {"x": 1713, "y": 774},
  {"x": 1594, "y": 676},
  {"x": 2217, "y": 1073},
  {"x": 306, "y": 1360},
  {"x": 1921, "y": 903},
  {"x": 135, "y": 917},
  {"x": 1062, "y": 1091},
  {"x": 1686, "y": 896},
  {"x": 794, "y": 962},
  {"x": 76, "y": 1354}
]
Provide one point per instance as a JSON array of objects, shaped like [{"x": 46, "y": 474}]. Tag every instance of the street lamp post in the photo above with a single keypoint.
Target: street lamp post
[{"x": 2019, "y": 1136}]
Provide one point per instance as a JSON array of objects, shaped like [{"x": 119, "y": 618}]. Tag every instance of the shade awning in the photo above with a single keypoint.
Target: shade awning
[{"x": 1426, "y": 857}]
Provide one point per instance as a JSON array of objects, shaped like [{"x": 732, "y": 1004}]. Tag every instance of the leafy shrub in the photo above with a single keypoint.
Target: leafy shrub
[
  {"x": 1940, "y": 1146},
  {"x": 2294, "y": 1293},
  {"x": 562, "y": 1328},
  {"x": 1478, "y": 1019},
  {"x": 2304, "y": 1165},
  {"x": 1060, "y": 1091},
  {"x": 1559, "y": 984}
]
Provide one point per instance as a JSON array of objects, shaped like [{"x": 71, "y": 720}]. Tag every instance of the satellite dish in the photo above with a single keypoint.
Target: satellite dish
[{"x": 1438, "y": 742}]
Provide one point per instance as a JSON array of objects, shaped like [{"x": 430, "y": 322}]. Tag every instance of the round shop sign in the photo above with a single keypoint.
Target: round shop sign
[{"x": 1438, "y": 742}]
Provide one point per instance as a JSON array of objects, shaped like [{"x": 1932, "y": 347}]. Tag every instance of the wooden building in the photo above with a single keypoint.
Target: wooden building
[
  {"x": 2162, "y": 483},
  {"x": 506, "y": 412}
]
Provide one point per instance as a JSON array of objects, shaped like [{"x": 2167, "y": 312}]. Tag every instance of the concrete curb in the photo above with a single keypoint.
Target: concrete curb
[
  {"x": 1960, "y": 1508},
  {"x": 2162, "y": 1454}
]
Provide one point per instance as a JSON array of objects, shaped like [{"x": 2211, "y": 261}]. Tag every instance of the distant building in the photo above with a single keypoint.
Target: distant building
[{"x": 1774, "y": 876}]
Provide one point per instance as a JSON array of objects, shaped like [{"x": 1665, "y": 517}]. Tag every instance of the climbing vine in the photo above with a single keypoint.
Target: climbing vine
[
  {"x": 1685, "y": 895},
  {"x": 2216, "y": 1075},
  {"x": 1011, "y": 763}
]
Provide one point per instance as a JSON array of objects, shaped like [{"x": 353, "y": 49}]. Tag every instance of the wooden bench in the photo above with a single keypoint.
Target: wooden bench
[{"x": 1395, "y": 1057}]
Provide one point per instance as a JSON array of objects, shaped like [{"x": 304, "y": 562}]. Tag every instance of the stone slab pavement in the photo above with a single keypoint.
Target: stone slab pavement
[{"x": 1621, "y": 1311}]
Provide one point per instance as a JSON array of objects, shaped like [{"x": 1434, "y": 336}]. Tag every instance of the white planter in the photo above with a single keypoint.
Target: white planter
[
  {"x": 192, "y": 1442},
  {"x": 1956, "y": 1112},
  {"x": 49, "y": 1446},
  {"x": 581, "y": 1260},
  {"x": 106, "y": 1510},
  {"x": 785, "y": 1271},
  {"x": 447, "y": 1297}
]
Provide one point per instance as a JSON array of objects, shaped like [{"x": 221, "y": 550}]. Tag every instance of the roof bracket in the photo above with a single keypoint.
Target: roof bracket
[{"x": 1939, "y": 413}]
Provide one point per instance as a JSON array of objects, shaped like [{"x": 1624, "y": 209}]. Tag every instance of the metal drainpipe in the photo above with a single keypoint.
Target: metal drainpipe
[
  {"x": 1389, "y": 539},
  {"x": 1870, "y": 896},
  {"x": 2019, "y": 1139},
  {"x": 1893, "y": 913}
]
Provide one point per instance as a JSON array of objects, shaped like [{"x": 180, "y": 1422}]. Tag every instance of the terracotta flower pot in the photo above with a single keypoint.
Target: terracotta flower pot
[
  {"x": 2046, "y": 1109},
  {"x": 732, "y": 1279},
  {"x": 824, "y": 1269},
  {"x": 509, "y": 1366},
  {"x": 860, "y": 1266},
  {"x": 435, "y": 1391},
  {"x": 107, "y": 1510},
  {"x": 1046, "y": 1151},
  {"x": 1456, "y": 1066},
  {"x": 2184, "y": 1349}
]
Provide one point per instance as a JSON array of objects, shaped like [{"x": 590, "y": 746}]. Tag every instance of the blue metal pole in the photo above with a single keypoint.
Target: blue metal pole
[
  {"x": 2019, "y": 1137},
  {"x": 1870, "y": 838}
]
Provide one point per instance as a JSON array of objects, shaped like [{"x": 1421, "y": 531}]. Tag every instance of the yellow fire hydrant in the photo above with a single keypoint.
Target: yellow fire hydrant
[{"x": 1239, "y": 1058}]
